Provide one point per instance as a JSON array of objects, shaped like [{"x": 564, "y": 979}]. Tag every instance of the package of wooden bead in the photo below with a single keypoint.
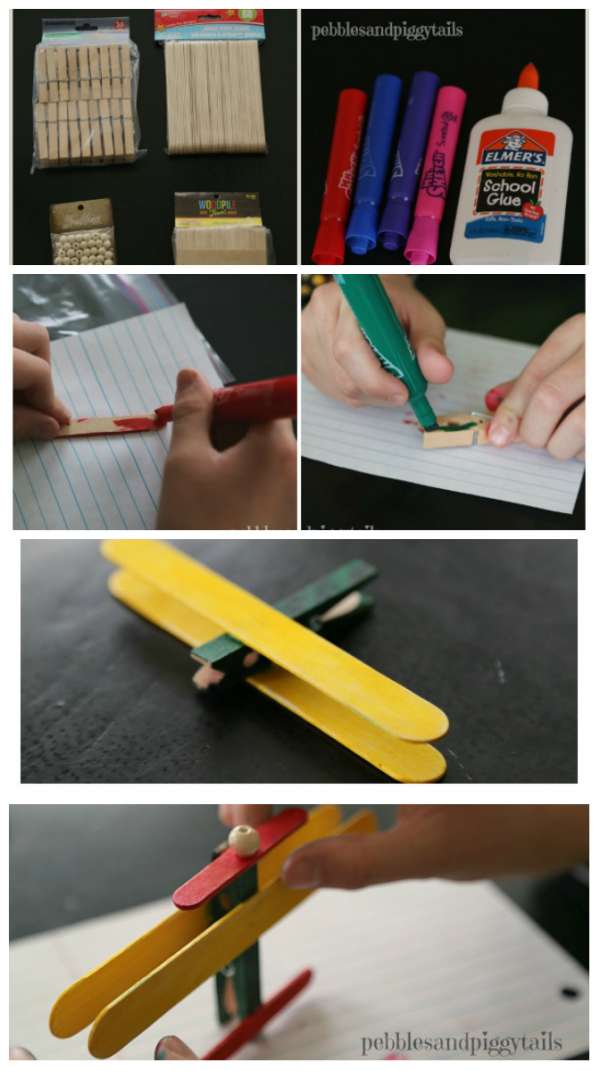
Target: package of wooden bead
[
  {"x": 84, "y": 247},
  {"x": 84, "y": 97}
]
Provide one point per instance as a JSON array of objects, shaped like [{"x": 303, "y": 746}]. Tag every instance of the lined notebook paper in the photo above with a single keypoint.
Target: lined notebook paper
[
  {"x": 386, "y": 442},
  {"x": 434, "y": 958},
  {"x": 120, "y": 369}
]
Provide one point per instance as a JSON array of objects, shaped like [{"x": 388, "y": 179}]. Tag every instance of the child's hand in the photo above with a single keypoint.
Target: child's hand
[
  {"x": 339, "y": 362},
  {"x": 457, "y": 842},
  {"x": 37, "y": 412},
  {"x": 545, "y": 406},
  {"x": 249, "y": 485}
]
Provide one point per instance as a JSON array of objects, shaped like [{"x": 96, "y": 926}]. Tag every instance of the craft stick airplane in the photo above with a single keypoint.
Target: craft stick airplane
[
  {"x": 279, "y": 651},
  {"x": 219, "y": 915}
]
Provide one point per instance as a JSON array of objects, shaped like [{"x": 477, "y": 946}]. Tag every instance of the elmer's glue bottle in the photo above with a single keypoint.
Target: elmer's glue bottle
[{"x": 511, "y": 208}]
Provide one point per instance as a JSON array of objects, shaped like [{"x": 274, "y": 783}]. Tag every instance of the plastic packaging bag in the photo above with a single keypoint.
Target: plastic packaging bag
[
  {"x": 85, "y": 83},
  {"x": 220, "y": 228},
  {"x": 82, "y": 232}
]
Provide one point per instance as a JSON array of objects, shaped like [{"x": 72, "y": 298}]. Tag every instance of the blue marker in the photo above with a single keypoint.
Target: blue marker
[
  {"x": 397, "y": 215},
  {"x": 361, "y": 233}
]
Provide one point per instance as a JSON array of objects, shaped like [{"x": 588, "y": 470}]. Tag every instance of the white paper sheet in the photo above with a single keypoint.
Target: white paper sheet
[
  {"x": 434, "y": 958},
  {"x": 109, "y": 481},
  {"x": 386, "y": 442}
]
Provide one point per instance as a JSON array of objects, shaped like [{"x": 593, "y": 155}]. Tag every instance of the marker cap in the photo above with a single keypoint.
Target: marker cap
[{"x": 422, "y": 244}]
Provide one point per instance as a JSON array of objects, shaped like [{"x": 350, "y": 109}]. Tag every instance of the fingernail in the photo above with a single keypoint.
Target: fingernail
[
  {"x": 187, "y": 377},
  {"x": 301, "y": 873},
  {"x": 493, "y": 399},
  {"x": 499, "y": 434}
]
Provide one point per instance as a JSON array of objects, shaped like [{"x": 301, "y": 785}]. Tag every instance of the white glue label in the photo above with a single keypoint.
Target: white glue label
[{"x": 508, "y": 198}]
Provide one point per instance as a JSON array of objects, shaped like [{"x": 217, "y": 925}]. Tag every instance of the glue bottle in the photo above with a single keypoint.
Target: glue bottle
[{"x": 511, "y": 208}]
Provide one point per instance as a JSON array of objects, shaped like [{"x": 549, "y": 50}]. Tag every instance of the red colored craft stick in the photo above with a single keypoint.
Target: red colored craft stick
[
  {"x": 227, "y": 866},
  {"x": 249, "y": 403},
  {"x": 250, "y": 1027}
]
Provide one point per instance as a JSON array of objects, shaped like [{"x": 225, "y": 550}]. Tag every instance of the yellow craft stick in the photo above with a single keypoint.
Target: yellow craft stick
[
  {"x": 144, "y": 1003},
  {"x": 410, "y": 763},
  {"x": 79, "y": 1005},
  {"x": 303, "y": 653}
]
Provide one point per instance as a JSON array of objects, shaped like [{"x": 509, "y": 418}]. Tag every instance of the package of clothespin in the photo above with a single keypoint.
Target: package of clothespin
[
  {"x": 212, "y": 71},
  {"x": 82, "y": 232},
  {"x": 220, "y": 228},
  {"x": 85, "y": 82}
]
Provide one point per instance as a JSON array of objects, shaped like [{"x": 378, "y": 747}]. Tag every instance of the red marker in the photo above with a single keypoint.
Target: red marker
[
  {"x": 244, "y": 403},
  {"x": 341, "y": 169}
]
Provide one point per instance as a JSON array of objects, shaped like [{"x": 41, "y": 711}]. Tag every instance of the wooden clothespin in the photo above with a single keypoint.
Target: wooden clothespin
[
  {"x": 368, "y": 713},
  {"x": 458, "y": 429},
  {"x": 123, "y": 996}
]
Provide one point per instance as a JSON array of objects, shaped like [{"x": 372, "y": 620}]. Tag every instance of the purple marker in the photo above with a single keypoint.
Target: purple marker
[{"x": 397, "y": 215}]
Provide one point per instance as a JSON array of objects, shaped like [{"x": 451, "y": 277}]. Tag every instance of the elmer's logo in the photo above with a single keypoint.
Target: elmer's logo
[{"x": 525, "y": 148}]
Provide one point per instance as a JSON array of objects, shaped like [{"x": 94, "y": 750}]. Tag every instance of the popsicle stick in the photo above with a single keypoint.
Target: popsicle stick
[
  {"x": 251, "y": 1026},
  {"x": 227, "y": 866},
  {"x": 413, "y": 763},
  {"x": 79, "y": 1005},
  {"x": 333, "y": 672},
  {"x": 222, "y": 942}
]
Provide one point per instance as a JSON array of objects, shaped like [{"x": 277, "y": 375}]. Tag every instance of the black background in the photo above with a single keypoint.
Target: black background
[
  {"x": 523, "y": 307},
  {"x": 484, "y": 629},
  {"x": 143, "y": 193},
  {"x": 485, "y": 61}
]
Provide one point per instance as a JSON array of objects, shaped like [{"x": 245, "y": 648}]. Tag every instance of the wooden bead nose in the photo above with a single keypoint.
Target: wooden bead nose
[{"x": 244, "y": 840}]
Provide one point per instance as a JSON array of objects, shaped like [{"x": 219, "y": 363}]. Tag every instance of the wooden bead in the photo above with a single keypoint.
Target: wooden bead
[{"x": 244, "y": 840}]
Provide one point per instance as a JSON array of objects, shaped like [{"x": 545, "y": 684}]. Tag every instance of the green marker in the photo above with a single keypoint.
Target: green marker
[{"x": 387, "y": 338}]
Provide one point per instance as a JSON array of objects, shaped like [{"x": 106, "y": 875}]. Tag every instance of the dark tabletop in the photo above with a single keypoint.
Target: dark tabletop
[
  {"x": 485, "y": 61},
  {"x": 142, "y": 194},
  {"x": 484, "y": 629},
  {"x": 526, "y": 308}
]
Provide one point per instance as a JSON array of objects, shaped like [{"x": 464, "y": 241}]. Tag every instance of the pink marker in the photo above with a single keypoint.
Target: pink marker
[{"x": 422, "y": 242}]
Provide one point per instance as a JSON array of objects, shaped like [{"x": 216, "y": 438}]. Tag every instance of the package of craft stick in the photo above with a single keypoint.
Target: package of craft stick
[
  {"x": 82, "y": 232},
  {"x": 220, "y": 228},
  {"x": 85, "y": 83},
  {"x": 213, "y": 85}
]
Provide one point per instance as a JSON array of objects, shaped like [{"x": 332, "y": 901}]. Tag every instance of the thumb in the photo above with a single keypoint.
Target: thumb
[
  {"x": 192, "y": 411},
  {"x": 351, "y": 862}
]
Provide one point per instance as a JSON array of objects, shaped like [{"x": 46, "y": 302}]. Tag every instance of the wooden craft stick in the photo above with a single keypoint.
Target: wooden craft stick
[
  {"x": 61, "y": 65},
  {"x": 104, "y": 61},
  {"x": 79, "y": 1005},
  {"x": 411, "y": 763},
  {"x": 51, "y": 69},
  {"x": 41, "y": 69},
  {"x": 94, "y": 62},
  {"x": 84, "y": 64},
  {"x": 106, "y": 124},
  {"x": 251, "y": 1026},
  {"x": 474, "y": 434},
  {"x": 84, "y": 125},
  {"x": 74, "y": 131},
  {"x": 212, "y": 950},
  {"x": 335, "y": 673},
  {"x": 228, "y": 865},
  {"x": 72, "y": 65}
]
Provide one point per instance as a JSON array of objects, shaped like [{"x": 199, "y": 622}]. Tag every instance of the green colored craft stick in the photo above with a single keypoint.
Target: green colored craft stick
[
  {"x": 387, "y": 338},
  {"x": 226, "y": 654}
]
